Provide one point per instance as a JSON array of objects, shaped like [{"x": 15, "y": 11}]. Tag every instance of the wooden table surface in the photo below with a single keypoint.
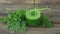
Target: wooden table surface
[{"x": 53, "y": 11}]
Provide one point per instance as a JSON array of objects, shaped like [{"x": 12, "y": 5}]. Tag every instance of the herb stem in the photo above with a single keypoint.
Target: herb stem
[{"x": 34, "y": 3}]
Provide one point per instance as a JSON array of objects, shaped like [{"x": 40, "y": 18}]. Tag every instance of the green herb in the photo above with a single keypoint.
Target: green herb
[
  {"x": 5, "y": 10},
  {"x": 16, "y": 21},
  {"x": 46, "y": 22},
  {"x": 2, "y": 20}
]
